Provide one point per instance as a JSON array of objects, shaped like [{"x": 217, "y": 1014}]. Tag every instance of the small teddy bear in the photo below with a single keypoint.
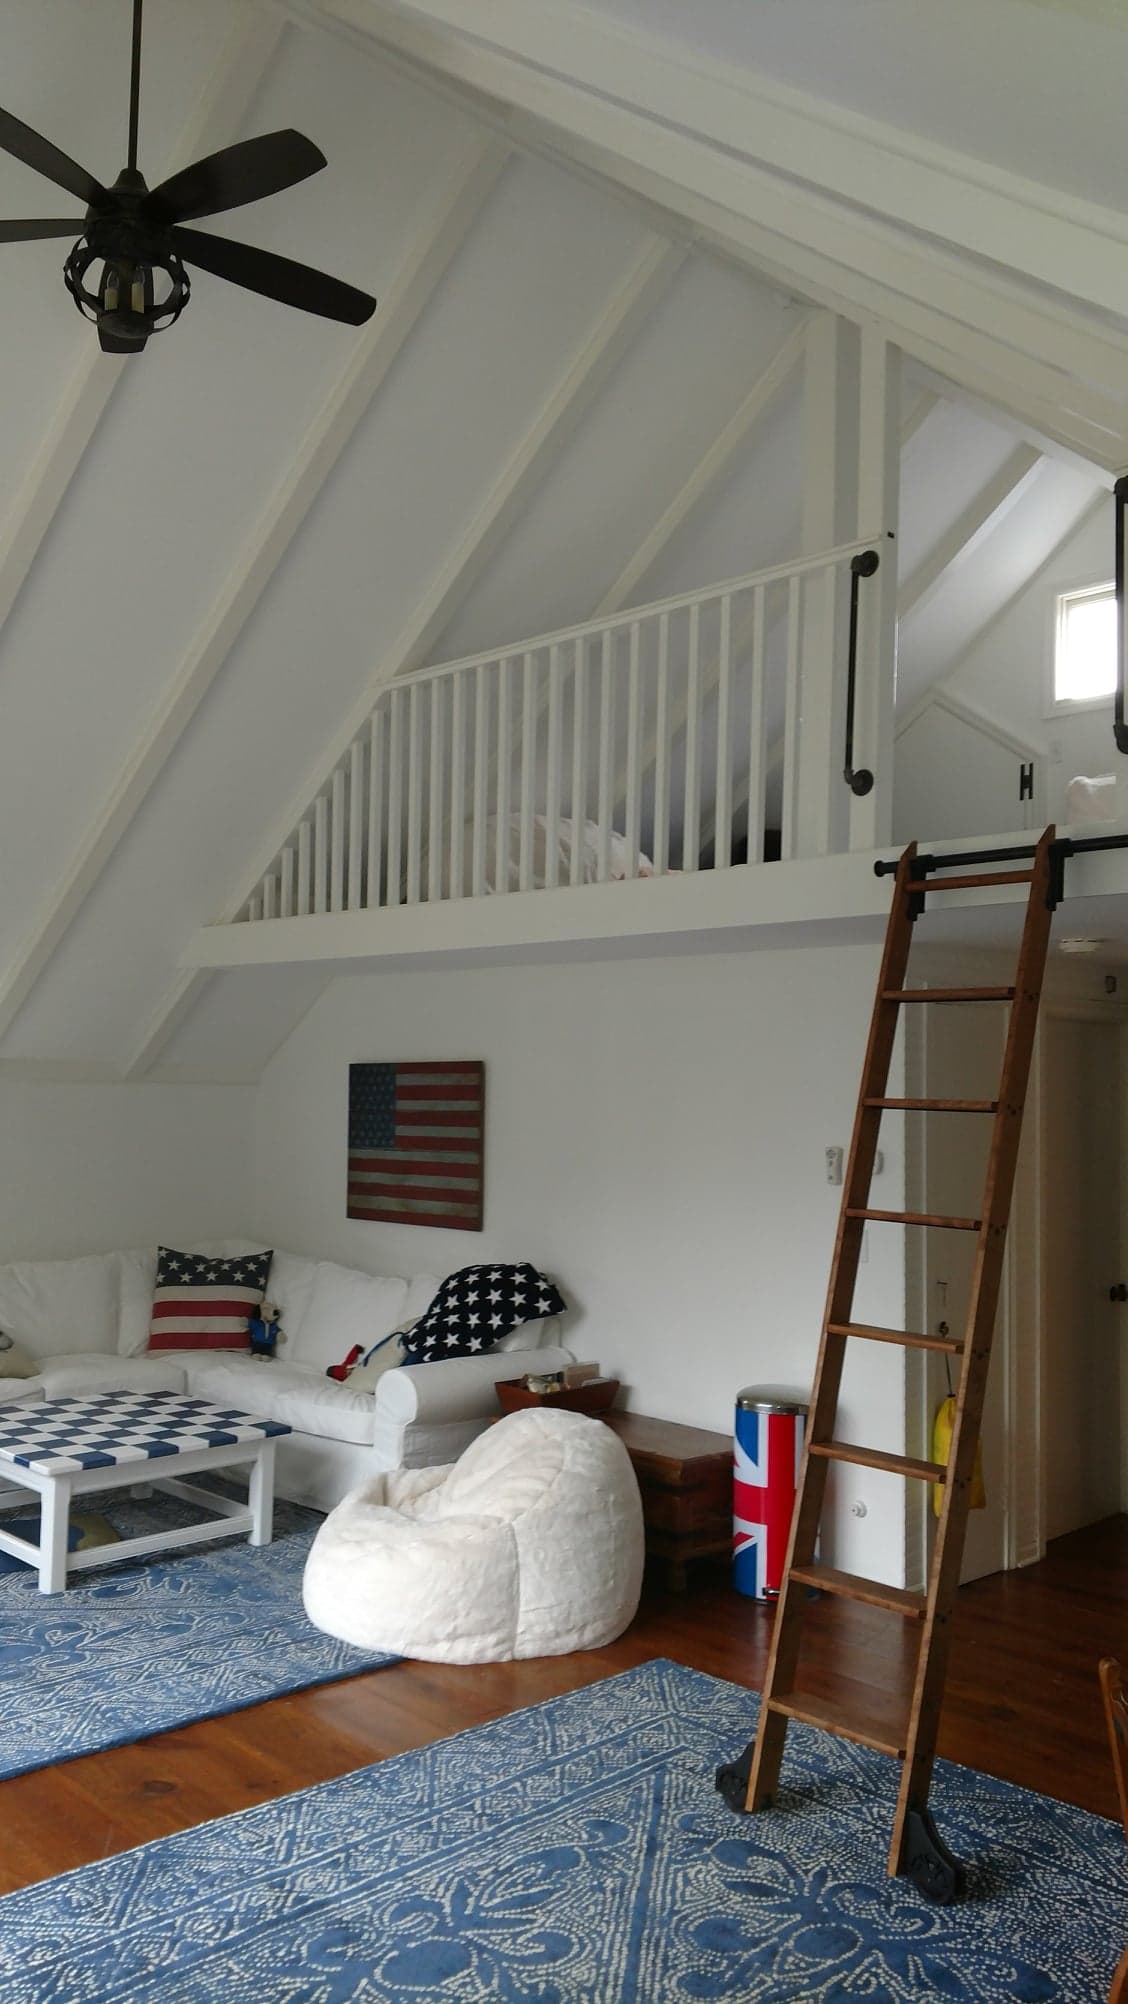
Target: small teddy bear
[{"x": 264, "y": 1332}]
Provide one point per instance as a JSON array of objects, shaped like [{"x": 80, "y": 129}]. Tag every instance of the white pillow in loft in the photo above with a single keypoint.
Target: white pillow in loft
[{"x": 346, "y": 1308}]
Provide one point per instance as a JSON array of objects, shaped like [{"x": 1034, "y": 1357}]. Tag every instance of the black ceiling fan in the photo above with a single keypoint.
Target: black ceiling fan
[{"x": 136, "y": 233}]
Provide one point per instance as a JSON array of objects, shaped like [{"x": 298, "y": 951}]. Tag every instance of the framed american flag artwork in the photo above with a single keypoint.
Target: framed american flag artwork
[{"x": 416, "y": 1134}]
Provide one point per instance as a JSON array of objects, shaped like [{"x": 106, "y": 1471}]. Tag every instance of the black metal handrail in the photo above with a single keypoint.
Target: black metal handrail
[
  {"x": 1119, "y": 727},
  {"x": 861, "y": 566},
  {"x": 1061, "y": 850}
]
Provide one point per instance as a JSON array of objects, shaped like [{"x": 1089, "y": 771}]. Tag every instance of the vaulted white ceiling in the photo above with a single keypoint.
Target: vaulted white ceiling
[{"x": 212, "y": 554}]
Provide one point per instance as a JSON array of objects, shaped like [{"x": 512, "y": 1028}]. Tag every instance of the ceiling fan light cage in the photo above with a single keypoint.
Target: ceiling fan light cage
[{"x": 136, "y": 299}]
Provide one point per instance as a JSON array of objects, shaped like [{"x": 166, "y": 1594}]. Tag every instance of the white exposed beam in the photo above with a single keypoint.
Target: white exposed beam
[
  {"x": 922, "y": 407},
  {"x": 708, "y": 470},
  {"x": 614, "y": 330},
  {"x": 1004, "y": 326},
  {"x": 450, "y": 217},
  {"x": 978, "y": 520},
  {"x": 215, "y": 118},
  {"x": 1065, "y": 241}
]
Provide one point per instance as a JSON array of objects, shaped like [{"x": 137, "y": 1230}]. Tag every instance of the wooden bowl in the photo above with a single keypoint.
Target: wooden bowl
[{"x": 597, "y": 1396}]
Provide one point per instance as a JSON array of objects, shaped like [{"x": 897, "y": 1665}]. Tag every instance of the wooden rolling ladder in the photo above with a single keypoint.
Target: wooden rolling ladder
[{"x": 750, "y": 1782}]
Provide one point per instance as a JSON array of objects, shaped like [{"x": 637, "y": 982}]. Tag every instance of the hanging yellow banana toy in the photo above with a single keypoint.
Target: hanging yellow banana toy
[{"x": 941, "y": 1448}]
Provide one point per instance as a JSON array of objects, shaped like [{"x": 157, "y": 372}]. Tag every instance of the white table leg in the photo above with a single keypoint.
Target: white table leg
[
  {"x": 261, "y": 1495},
  {"x": 54, "y": 1525}
]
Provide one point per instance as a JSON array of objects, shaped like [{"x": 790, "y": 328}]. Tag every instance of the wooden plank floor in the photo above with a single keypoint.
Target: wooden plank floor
[{"x": 1022, "y": 1702}]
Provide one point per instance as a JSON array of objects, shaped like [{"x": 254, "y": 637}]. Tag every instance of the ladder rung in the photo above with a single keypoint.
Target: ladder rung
[
  {"x": 947, "y": 995},
  {"x": 840, "y": 1719},
  {"x": 920, "y": 1218},
  {"x": 872, "y": 1457},
  {"x": 898, "y": 1600},
  {"x": 908, "y": 1338},
  {"x": 938, "y": 1105},
  {"x": 969, "y": 883}
]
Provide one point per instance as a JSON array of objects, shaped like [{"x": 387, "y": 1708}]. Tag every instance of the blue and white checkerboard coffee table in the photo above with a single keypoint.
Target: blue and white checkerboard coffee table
[{"x": 67, "y": 1447}]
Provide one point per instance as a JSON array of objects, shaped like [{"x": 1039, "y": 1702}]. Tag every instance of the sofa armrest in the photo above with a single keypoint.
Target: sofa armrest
[{"x": 458, "y": 1388}]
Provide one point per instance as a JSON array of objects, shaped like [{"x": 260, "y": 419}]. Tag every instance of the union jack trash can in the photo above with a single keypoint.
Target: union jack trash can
[{"x": 767, "y": 1450}]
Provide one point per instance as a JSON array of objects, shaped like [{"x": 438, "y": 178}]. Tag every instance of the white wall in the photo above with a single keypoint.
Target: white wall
[
  {"x": 655, "y": 1135},
  {"x": 1005, "y": 672},
  {"x": 87, "y": 1167}
]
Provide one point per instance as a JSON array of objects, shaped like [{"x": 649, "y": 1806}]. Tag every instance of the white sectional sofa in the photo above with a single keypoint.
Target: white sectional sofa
[{"x": 85, "y": 1322}]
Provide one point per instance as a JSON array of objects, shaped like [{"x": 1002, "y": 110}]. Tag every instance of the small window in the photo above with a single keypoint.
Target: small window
[{"x": 1085, "y": 646}]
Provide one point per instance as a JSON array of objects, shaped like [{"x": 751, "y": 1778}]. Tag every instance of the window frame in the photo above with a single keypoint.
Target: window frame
[{"x": 1093, "y": 584}]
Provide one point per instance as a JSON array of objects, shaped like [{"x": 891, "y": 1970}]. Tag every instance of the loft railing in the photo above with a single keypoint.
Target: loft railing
[{"x": 661, "y": 739}]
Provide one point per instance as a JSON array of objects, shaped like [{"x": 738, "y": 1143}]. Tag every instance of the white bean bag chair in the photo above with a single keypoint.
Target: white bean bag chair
[{"x": 530, "y": 1545}]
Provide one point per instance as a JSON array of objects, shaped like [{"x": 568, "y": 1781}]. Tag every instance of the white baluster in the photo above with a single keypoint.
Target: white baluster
[
  {"x": 270, "y": 897},
  {"x": 375, "y": 807},
  {"x": 528, "y": 771},
  {"x": 634, "y": 777},
  {"x": 286, "y": 883},
  {"x": 722, "y": 818},
  {"x": 305, "y": 870},
  {"x": 691, "y": 831},
  {"x": 394, "y": 894},
  {"x": 662, "y": 751},
  {"x": 756, "y": 760},
  {"x": 320, "y": 853},
  {"x": 254, "y": 908},
  {"x": 606, "y": 755},
  {"x": 579, "y": 760},
  {"x": 504, "y": 760},
  {"x": 552, "y": 776},
  {"x": 481, "y": 779},
  {"x": 356, "y": 826},
  {"x": 337, "y": 842},
  {"x": 435, "y": 795},
  {"x": 414, "y": 791},
  {"x": 457, "y": 785},
  {"x": 790, "y": 831}
]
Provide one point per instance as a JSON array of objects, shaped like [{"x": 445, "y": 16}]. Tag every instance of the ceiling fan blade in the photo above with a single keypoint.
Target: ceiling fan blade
[
  {"x": 27, "y": 232},
  {"x": 35, "y": 151},
  {"x": 242, "y": 173},
  {"x": 276, "y": 277}
]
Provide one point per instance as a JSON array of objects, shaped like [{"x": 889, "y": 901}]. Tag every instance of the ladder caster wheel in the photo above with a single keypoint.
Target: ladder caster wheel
[
  {"x": 731, "y": 1781},
  {"x": 935, "y": 1873}
]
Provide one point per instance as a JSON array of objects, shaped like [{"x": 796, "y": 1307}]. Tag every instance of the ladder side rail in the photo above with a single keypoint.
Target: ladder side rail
[
  {"x": 935, "y": 1641},
  {"x": 787, "y": 1632}
]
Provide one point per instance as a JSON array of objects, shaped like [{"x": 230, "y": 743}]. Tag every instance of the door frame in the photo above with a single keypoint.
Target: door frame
[{"x": 1019, "y": 1347}]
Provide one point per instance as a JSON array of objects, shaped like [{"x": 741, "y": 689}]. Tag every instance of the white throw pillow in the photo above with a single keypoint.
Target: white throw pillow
[
  {"x": 289, "y": 1288},
  {"x": 346, "y": 1308},
  {"x": 57, "y": 1305},
  {"x": 137, "y": 1278},
  {"x": 421, "y": 1291},
  {"x": 385, "y": 1357}
]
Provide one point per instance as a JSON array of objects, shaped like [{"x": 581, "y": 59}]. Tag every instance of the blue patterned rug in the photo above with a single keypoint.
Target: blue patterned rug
[
  {"x": 153, "y": 1643},
  {"x": 577, "y": 1853}
]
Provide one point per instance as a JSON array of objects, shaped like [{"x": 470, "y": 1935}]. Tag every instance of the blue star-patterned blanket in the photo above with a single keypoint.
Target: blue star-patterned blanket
[{"x": 475, "y": 1307}]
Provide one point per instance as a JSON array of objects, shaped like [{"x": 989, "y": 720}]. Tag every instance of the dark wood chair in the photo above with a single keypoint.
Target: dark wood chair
[{"x": 1116, "y": 1715}]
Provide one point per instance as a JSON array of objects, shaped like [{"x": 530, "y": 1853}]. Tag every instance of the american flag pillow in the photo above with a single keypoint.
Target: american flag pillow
[{"x": 201, "y": 1303}]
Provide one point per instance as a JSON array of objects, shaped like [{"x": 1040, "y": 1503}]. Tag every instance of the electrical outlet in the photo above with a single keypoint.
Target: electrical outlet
[{"x": 834, "y": 1165}]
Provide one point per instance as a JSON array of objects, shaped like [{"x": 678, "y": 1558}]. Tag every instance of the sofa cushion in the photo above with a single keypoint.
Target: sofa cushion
[
  {"x": 346, "y": 1308},
  {"x": 70, "y": 1377},
  {"x": 15, "y": 1361},
  {"x": 289, "y": 1285},
  {"x": 295, "y": 1394},
  {"x": 57, "y": 1305},
  {"x": 137, "y": 1277},
  {"x": 200, "y": 1303}
]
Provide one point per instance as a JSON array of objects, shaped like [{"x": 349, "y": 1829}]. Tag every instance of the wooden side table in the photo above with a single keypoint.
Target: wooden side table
[{"x": 685, "y": 1476}]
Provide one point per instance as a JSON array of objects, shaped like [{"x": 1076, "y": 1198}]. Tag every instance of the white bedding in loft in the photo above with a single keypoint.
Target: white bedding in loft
[
  {"x": 618, "y": 854},
  {"x": 1091, "y": 799}
]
